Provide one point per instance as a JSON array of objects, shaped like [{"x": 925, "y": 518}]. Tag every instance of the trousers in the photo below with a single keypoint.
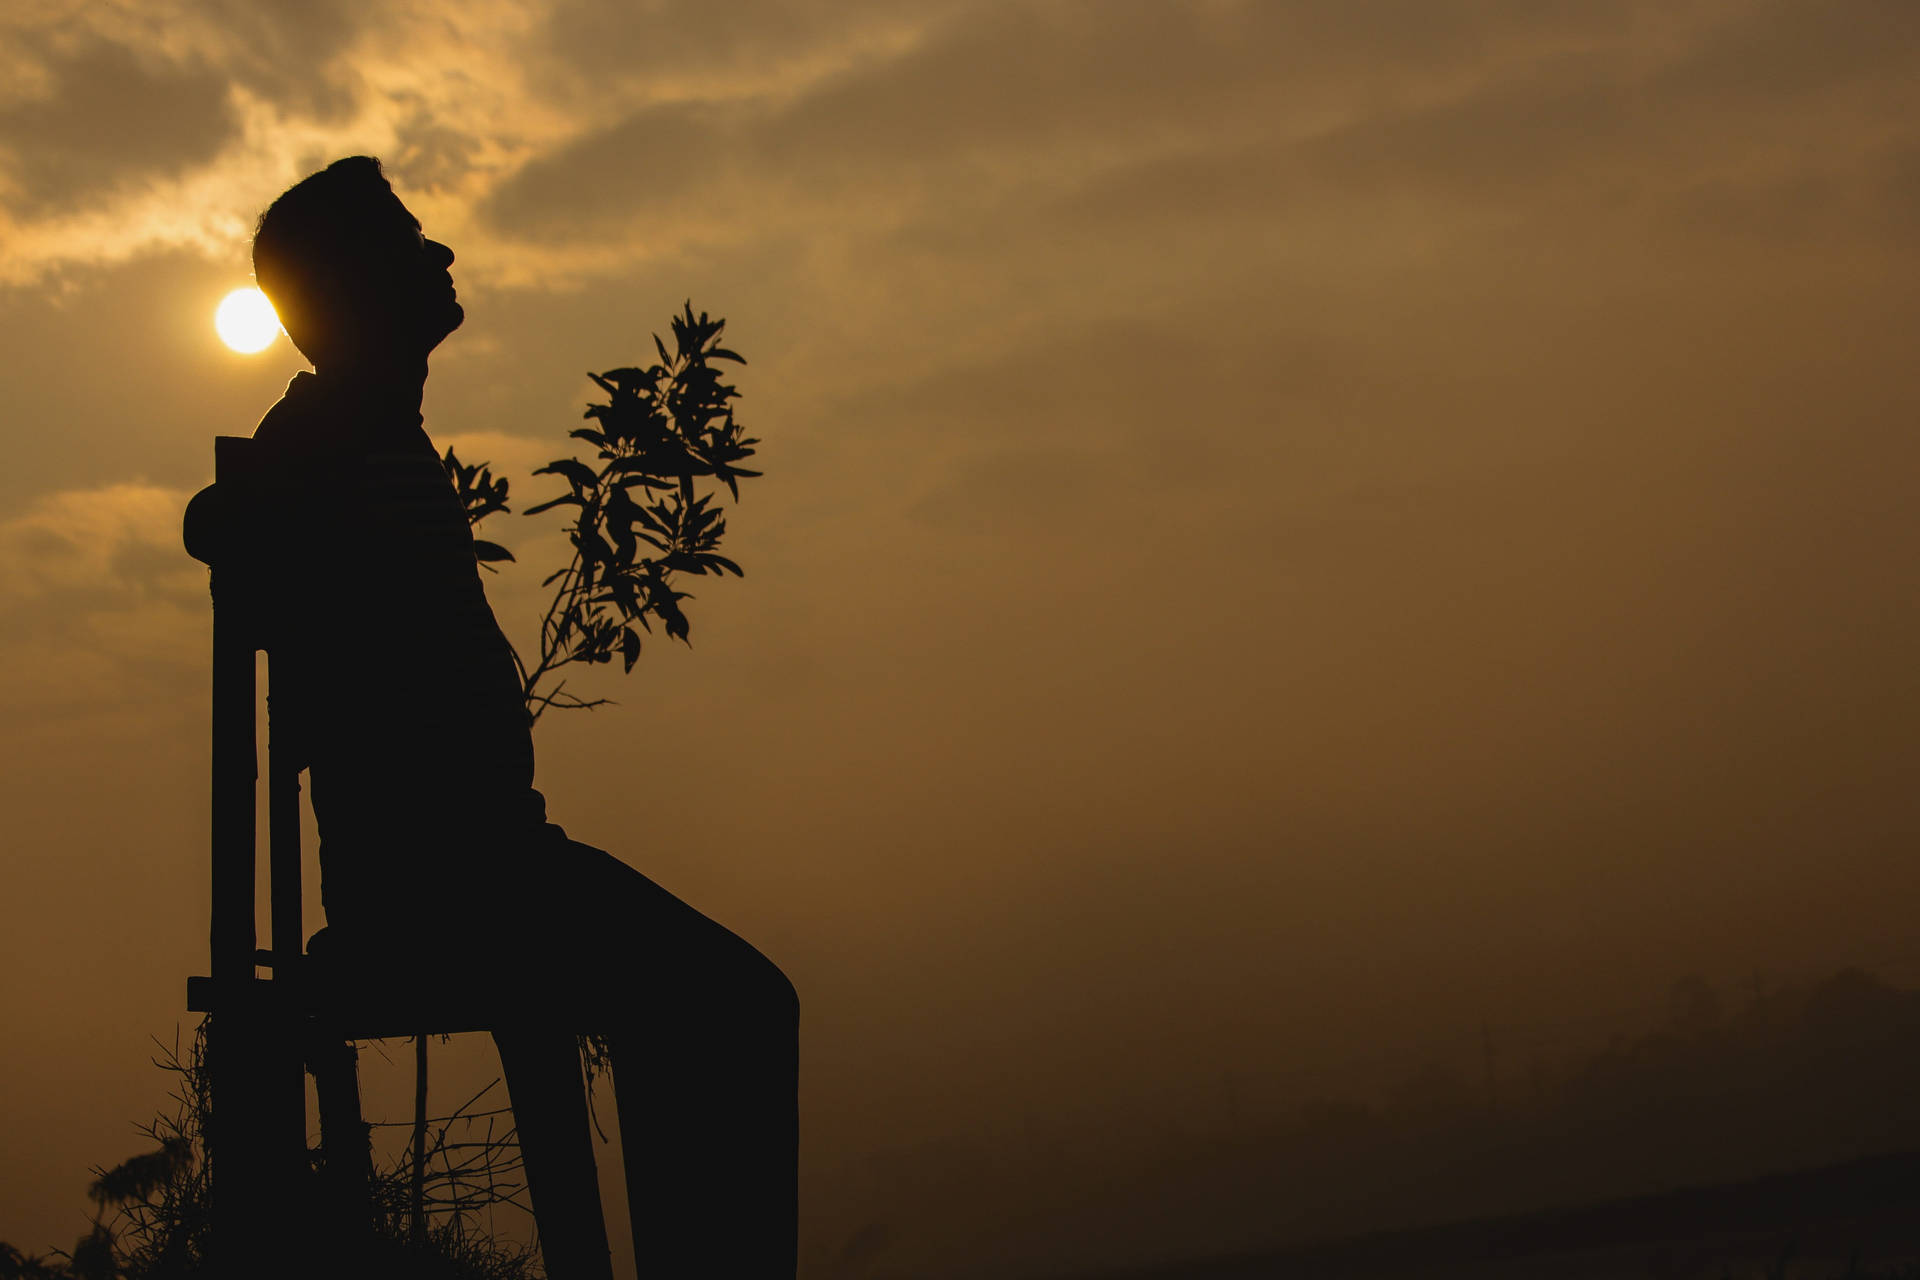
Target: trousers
[{"x": 704, "y": 1039}]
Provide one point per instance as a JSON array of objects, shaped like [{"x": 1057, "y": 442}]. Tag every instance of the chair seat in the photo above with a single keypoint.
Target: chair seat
[{"x": 350, "y": 998}]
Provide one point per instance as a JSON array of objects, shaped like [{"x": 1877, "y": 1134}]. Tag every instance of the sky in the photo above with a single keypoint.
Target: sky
[{"x": 1292, "y": 530}]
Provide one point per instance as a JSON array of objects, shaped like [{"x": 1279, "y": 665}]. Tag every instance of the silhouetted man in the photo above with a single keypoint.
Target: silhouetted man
[{"x": 435, "y": 849}]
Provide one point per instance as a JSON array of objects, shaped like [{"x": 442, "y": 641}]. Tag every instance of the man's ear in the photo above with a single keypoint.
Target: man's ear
[
  {"x": 298, "y": 320},
  {"x": 318, "y": 316}
]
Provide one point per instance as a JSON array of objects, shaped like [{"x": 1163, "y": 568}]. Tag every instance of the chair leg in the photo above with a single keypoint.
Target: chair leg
[
  {"x": 556, "y": 1150},
  {"x": 256, "y": 1142},
  {"x": 347, "y": 1173}
]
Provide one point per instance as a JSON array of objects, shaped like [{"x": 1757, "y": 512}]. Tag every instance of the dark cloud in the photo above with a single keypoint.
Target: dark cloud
[
  {"x": 1776, "y": 54},
  {"x": 1001, "y": 81},
  {"x": 638, "y": 169},
  {"x": 1202, "y": 111},
  {"x": 284, "y": 51},
  {"x": 1583, "y": 142},
  {"x": 1025, "y": 79},
  {"x": 430, "y": 155},
  {"x": 121, "y": 111},
  {"x": 1526, "y": 136},
  {"x": 596, "y": 42},
  {"x": 114, "y": 117}
]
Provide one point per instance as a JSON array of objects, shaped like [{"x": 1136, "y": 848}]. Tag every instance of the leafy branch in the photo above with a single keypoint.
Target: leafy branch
[
  {"x": 639, "y": 518},
  {"x": 482, "y": 496}
]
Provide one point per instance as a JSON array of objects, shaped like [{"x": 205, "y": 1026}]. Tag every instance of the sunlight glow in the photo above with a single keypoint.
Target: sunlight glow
[{"x": 246, "y": 322}]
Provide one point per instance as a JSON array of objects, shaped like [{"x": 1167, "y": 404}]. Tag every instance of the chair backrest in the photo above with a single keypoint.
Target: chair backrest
[
  {"x": 256, "y": 1137},
  {"x": 222, "y": 529}
]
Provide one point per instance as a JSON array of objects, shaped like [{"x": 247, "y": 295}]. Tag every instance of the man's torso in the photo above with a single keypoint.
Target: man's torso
[{"x": 385, "y": 654}]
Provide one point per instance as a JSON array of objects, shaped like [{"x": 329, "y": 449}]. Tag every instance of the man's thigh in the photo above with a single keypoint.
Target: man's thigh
[{"x": 604, "y": 924}]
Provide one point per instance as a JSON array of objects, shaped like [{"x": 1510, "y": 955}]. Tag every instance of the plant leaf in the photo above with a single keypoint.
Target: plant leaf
[
  {"x": 577, "y": 473},
  {"x": 566, "y": 499}
]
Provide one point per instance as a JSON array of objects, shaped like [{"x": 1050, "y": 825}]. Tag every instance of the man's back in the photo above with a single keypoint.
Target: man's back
[{"x": 388, "y": 660}]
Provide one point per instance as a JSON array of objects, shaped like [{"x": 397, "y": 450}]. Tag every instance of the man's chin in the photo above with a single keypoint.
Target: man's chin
[{"x": 450, "y": 319}]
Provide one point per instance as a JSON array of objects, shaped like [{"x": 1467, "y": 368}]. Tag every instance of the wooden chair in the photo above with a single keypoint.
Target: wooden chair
[{"x": 303, "y": 1016}]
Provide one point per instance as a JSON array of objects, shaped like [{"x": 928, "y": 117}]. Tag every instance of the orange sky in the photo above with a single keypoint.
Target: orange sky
[{"x": 1290, "y": 529}]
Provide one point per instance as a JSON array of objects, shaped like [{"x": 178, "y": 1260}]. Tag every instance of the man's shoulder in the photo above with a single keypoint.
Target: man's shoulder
[{"x": 295, "y": 422}]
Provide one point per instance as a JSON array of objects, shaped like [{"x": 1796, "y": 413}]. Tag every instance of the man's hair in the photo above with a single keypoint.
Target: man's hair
[{"x": 309, "y": 242}]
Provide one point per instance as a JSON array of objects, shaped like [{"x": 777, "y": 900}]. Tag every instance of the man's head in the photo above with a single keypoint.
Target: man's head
[{"x": 350, "y": 273}]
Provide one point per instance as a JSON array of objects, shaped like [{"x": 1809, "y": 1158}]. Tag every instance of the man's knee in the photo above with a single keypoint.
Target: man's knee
[
  {"x": 761, "y": 985},
  {"x": 782, "y": 995}
]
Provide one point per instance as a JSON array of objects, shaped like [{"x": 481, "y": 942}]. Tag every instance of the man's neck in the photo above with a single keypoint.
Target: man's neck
[{"x": 396, "y": 387}]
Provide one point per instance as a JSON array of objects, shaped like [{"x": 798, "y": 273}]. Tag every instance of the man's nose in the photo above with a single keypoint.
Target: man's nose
[{"x": 441, "y": 255}]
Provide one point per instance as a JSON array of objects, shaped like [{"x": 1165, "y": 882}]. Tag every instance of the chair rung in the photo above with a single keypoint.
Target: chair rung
[{"x": 379, "y": 1015}]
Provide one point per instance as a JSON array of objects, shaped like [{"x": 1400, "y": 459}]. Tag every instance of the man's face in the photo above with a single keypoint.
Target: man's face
[{"x": 407, "y": 301}]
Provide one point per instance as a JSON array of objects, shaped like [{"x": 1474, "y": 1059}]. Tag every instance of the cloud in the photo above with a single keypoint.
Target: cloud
[
  {"x": 993, "y": 97},
  {"x": 109, "y": 118},
  {"x": 569, "y": 126},
  {"x": 1417, "y": 121},
  {"x": 440, "y": 95},
  {"x": 567, "y": 139},
  {"x": 1772, "y": 55},
  {"x": 625, "y": 175},
  {"x": 100, "y": 603},
  {"x": 95, "y": 541},
  {"x": 663, "y": 51},
  {"x": 557, "y": 141},
  {"x": 286, "y": 52},
  {"x": 108, "y": 94}
]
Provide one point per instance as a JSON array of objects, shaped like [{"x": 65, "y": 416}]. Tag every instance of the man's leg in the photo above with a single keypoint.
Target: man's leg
[
  {"x": 550, "y": 1112},
  {"x": 709, "y": 1128},
  {"x": 705, "y": 1034}
]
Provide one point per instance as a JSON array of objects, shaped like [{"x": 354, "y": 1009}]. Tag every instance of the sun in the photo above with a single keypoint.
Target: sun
[{"x": 246, "y": 322}]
